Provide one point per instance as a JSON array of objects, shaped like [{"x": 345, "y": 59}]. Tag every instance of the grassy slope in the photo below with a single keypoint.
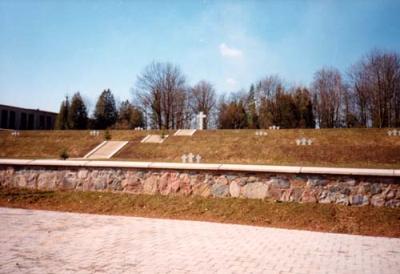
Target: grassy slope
[
  {"x": 331, "y": 147},
  {"x": 318, "y": 217}
]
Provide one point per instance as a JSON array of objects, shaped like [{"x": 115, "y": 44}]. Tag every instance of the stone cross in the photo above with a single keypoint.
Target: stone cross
[
  {"x": 261, "y": 133},
  {"x": 200, "y": 120},
  {"x": 190, "y": 156},
  {"x": 304, "y": 142},
  {"x": 184, "y": 158},
  {"x": 198, "y": 158}
]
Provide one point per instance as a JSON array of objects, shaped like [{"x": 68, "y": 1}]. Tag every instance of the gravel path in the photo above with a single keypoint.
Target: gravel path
[{"x": 33, "y": 241}]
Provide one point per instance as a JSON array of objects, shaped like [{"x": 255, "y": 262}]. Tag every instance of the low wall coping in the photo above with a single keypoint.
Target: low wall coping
[{"x": 212, "y": 167}]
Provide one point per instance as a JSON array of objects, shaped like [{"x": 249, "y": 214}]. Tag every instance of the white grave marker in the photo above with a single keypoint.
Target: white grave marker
[
  {"x": 184, "y": 158},
  {"x": 198, "y": 158},
  {"x": 200, "y": 120},
  {"x": 190, "y": 156}
]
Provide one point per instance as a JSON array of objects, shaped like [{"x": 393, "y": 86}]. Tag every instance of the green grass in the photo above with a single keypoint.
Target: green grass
[
  {"x": 317, "y": 217},
  {"x": 370, "y": 148}
]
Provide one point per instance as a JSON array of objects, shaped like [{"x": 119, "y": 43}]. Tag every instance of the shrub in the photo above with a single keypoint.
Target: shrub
[
  {"x": 107, "y": 135},
  {"x": 64, "y": 154}
]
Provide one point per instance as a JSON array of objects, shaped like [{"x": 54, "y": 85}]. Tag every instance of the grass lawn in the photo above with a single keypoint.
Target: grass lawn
[
  {"x": 370, "y": 148},
  {"x": 317, "y": 217}
]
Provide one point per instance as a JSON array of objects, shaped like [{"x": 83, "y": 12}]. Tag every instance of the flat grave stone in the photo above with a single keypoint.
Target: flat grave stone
[
  {"x": 184, "y": 132},
  {"x": 156, "y": 139}
]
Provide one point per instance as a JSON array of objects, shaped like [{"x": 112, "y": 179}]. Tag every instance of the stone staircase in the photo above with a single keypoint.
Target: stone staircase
[{"x": 105, "y": 150}]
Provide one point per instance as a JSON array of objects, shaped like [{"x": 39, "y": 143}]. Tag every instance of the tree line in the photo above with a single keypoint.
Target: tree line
[
  {"x": 74, "y": 114},
  {"x": 367, "y": 95}
]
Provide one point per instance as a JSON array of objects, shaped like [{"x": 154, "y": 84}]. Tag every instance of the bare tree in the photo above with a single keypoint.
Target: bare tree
[
  {"x": 328, "y": 90},
  {"x": 203, "y": 99},
  {"x": 358, "y": 84},
  {"x": 265, "y": 96},
  {"x": 268, "y": 86},
  {"x": 376, "y": 83},
  {"x": 162, "y": 93}
]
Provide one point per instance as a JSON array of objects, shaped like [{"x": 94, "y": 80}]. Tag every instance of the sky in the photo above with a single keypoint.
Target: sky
[{"x": 50, "y": 49}]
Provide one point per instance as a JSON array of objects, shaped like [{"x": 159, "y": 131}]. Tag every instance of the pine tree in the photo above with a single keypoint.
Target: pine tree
[
  {"x": 105, "y": 113},
  {"x": 77, "y": 115},
  {"x": 62, "y": 117},
  {"x": 252, "y": 109},
  {"x": 129, "y": 116}
]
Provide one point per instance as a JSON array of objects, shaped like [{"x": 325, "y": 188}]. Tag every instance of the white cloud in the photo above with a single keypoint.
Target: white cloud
[
  {"x": 231, "y": 83},
  {"x": 229, "y": 52}
]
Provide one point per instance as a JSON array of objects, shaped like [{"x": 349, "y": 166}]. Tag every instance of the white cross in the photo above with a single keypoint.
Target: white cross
[
  {"x": 184, "y": 158},
  {"x": 190, "y": 156},
  {"x": 200, "y": 119},
  {"x": 198, "y": 158}
]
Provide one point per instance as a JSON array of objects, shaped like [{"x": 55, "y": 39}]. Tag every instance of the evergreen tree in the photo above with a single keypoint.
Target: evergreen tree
[
  {"x": 105, "y": 113},
  {"x": 77, "y": 115},
  {"x": 129, "y": 116},
  {"x": 303, "y": 101},
  {"x": 232, "y": 115},
  {"x": 62, "y": 117},
  {"x": 252, "y": 109}
]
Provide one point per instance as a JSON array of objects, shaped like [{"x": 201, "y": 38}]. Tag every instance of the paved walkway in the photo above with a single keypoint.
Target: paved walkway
[{"x": 53, "y": 242}]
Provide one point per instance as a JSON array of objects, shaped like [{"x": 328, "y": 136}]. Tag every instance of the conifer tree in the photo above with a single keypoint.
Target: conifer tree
[
  {"x": 77, "y": 115},
  {"x": 105, "y": 113},
  {"x": 62, "y": 122}
]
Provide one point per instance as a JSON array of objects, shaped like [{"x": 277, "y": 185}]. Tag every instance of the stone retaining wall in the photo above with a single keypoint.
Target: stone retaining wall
[{"x": 346, "y": 190}]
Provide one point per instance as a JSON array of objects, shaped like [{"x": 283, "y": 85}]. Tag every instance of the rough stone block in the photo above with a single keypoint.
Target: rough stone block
[
  {"x": 220, "y": 190},
  {"x": 257, "y": 190},
  {"x": 279, "y": 182},
  {"x": 309, "y": 196},
  {"x": 378, "y": 200},
  {"x": 359, "y": 199},
  {"x": 150, "y": 185},
  {"x": 234, "y": 189},
  {"x": 202, "y": 190}
]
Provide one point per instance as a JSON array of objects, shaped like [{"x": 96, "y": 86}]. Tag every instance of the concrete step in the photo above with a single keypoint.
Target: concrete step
[
  {"x": 106, "y": 150},
  {"x": 185, "y": 132}
]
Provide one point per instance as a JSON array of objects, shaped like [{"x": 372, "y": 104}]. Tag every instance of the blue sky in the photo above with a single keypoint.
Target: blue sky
[{"x": 52, "y": 48}]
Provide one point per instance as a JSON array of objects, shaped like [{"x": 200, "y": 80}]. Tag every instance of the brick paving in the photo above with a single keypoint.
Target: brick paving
[{"x": 33, "y": 241}]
